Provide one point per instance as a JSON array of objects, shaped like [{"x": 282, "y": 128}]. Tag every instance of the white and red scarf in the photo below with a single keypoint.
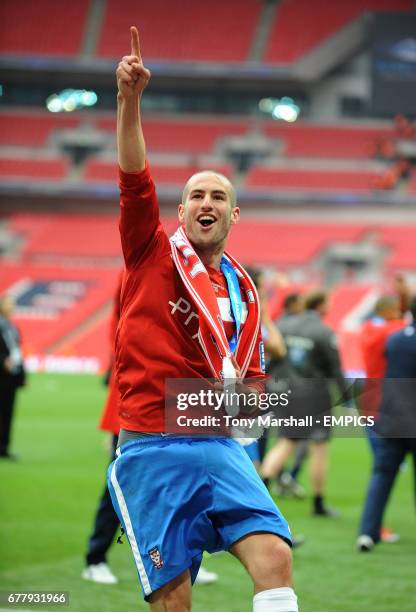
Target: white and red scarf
[{"x": 211, "y": 335}]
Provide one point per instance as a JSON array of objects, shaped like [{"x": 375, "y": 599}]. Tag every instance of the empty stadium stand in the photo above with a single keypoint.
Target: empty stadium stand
[
  {"x": 286, "y": 244},
  {"x": 304, "y": 139},
  {"x": 300, "y": 25},
  {"x": 261, "y": 178},
  {"x": 265, "y": 242},
  {"x": 184, "y": 133},
  {"x": 257, "y": 241},
  {"x": 34, "y": 168},
  {"x": 218, "y": 32},
  {"x": 29, "y": 147},
  {"x": 67, "y": 235},
  {"x": 186, "y": 30},
  {"x": 168, "y": 174},
  {"x": 92, "y": 341},
  {"x": 43, "y": 27},
  {"x": 75, "y": 323},
  {"x": 49, "y": 317},
  {"x": 400, "y": 240},
  {"x": 32, "y": 128}
]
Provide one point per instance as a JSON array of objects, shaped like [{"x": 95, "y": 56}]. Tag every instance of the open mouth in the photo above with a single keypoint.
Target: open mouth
[{"x": 206, "y": 220}]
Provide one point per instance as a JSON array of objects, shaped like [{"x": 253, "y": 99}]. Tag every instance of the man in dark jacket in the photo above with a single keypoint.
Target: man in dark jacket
[
  {"x": 312, "y": 361},
  {"x": 396, "y": 427},
  {"x": 12, "y": 373}
]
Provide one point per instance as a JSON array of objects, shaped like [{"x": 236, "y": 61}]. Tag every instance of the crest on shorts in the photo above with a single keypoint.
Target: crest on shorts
[{"x": 156, "y": 557}]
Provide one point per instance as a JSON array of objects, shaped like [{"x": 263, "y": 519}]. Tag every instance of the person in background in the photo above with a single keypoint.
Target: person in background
[
  {"x": 374, "y": 334},
  {"x": 274, "y": 348},
  {"x": 12, "y": 373},
  {"x": 313, "y": 356},
  {"x": 396, "y": 428},
  {"x": 276, "y": 354},
  {"x": 274, "y": 344},
  {"x": 106, "y": 521},
  {"x": 277, "y": 369},
  {"x": 389, "y": 311},
  {"x": 275, "y": 351},
  {"x": 293, "y": 304},
  {"x": 287, "y": 484},
  {"x": 388, "y": 318}
]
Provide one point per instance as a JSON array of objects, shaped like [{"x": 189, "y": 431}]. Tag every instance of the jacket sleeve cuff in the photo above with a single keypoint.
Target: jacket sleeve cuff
[{"x": 134, "y": 179}]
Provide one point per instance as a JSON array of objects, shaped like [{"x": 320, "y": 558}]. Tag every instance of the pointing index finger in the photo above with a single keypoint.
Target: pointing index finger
[{"x": 135, "y": 43}]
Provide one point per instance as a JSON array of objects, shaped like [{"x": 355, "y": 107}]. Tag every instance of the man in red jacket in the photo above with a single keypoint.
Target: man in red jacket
[
  {"x": 188, "y": 311},
  {"x": 388, "y": 319}
]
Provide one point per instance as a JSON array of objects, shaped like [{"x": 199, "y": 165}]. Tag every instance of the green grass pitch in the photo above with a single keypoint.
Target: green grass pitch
[{"x": 48, "y": 499}]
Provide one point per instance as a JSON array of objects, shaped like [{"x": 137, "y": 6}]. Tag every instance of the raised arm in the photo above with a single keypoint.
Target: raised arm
[
  {"x": 403, "y": 291},
  {"x": 132, "y": 78},
  {"x": 139, "y": 210},
  {"x": 274, "y": 345}
]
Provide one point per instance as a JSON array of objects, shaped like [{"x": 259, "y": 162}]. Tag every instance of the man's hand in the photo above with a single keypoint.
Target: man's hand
[
  {"x": 132, "y": 76},
  {"x": 400, "y": 284},
  {"x": 403, "y": 291},
  {"x": 8, "y": 364},
  {"x": 249, "y": 392},
  {"x": 240, "y": 388}
]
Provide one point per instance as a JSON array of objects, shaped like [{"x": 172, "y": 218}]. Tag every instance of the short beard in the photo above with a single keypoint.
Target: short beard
[{"x": 209, "y": 248}]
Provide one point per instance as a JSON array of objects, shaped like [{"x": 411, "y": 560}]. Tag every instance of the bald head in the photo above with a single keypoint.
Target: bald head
[
  {"x": 6, "y": 305},
  {"x": 208, "y": 210},
  {"x": 221, "y": 179},
  {"x": 388, "y": 307}
]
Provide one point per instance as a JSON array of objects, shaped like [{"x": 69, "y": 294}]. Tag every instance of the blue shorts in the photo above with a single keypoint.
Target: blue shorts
[
  {"x": 253, "y": 451},
  {"x": 176, "y": 497}
]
